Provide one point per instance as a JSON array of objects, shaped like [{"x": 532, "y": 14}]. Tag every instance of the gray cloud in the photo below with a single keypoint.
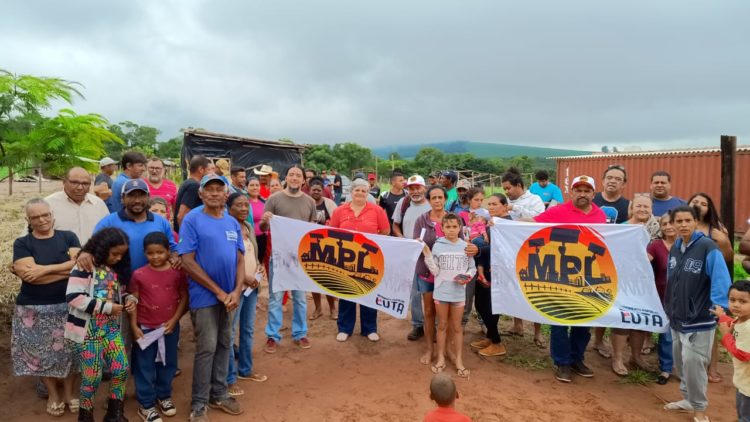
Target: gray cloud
[{"x": 573, "y": 74}]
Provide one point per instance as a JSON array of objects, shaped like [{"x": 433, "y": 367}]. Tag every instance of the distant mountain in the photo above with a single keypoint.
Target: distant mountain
[{"x": 478, "y": 149}]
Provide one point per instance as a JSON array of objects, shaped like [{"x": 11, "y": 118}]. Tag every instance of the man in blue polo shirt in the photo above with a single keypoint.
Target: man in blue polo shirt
[
  {"x": 133, "y": 164},
  {"x": 137, "y": 221},
  {"x": 211, "y": 248}
]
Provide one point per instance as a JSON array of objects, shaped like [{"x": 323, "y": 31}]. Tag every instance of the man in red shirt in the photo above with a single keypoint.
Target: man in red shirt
[
  {"x": 158, "y": 185},
  {"x": 264, "y": 177},
  {"x": 567, "y": 349}
]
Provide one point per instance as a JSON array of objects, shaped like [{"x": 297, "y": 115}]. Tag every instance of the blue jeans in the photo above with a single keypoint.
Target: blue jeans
[
  {"x": 245, "y": 315},
  {"x": 567, "y": 349},
  {"x": 417, "y": 314},
  {"x": 368, "y": 318},
  {"x": 153, "y": 380},
  {"x": 276, "y": 316},
  {"x": 664, "y": 348}
]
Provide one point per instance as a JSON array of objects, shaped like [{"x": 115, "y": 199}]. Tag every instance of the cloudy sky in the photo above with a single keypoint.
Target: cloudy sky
[{"x": 576, "y": 74}]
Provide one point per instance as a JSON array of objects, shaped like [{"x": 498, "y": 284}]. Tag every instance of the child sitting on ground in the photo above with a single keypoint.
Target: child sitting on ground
[
  {"x": 443, "y": 392},
  {"x": 735, "y": 336},
  {"x": 452, "y": 269}
]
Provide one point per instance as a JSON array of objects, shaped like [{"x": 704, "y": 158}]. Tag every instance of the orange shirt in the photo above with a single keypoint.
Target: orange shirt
[
  {"x": 445, "y": 414},
  {"x": 372, "y": 219}
]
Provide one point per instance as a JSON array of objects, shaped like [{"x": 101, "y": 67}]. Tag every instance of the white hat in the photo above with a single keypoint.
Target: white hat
[
  {"x": 264, "y": 170},
  {"x": 463, "y": 184},
  {"x": 415, "y": 180},
  {"x": 583, "y": 180},
  {"x": 106, "y": 161}
]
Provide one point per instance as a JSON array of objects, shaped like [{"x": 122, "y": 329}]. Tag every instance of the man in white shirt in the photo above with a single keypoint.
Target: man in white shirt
[
  {"x": 76, "y": 209},
  {"x": 521, "y": 203},
  {"x": 403, "y": 226}
]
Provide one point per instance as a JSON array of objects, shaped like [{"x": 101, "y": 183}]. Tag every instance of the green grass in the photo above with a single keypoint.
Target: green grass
[
  {"x": 739, "y": 272},
  {"x": 529, "y": 362},
  {"x": 638, "y": 377}
]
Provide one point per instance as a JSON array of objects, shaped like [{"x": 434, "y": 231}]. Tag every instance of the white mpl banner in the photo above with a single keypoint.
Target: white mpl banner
[
  {"x": 372, "y": 270},
  {"x": 571, "y": 274}
]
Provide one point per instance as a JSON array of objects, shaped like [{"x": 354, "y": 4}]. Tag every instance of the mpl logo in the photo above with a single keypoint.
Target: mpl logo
[
  {"x": 567, "y": 274},
  {"x": 342, "y": 262}
]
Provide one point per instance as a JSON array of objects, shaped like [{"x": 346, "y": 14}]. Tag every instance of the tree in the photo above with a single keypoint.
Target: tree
[
  {"x": 428, "y": 160},
  {"x": 57, "y": 144},
  {"x": 135, "y": 137},
  {"x": 23, "y": 99},
  {"x": 170, "y": 149},
  {"x": 605, "y": 149},
  {"x": 352, "y": 156}
]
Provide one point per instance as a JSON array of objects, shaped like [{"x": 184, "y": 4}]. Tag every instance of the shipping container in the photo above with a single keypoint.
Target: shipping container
[{"x": 692, "y": 170}]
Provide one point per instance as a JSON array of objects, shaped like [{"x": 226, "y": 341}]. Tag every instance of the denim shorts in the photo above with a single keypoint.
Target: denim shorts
[{"x": 424, "y": 286}]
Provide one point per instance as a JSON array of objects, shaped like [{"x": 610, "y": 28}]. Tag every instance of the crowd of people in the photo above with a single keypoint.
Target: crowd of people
[{"x": 108, "y": 271}]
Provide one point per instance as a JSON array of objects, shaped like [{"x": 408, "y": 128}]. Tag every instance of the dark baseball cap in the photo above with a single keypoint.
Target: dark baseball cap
[{"x": 133, "y": 185}]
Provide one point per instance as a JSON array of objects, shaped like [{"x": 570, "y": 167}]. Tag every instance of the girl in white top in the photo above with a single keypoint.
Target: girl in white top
[{"x": 452, "y": 269}]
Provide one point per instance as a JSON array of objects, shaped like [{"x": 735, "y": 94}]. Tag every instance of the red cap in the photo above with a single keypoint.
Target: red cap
[{"x": 371, "y": 176}]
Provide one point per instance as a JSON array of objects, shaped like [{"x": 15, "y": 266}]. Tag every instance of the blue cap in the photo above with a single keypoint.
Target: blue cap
[
  {"x": 134, "y": 184},
  {"x": 211, "y": 177}
]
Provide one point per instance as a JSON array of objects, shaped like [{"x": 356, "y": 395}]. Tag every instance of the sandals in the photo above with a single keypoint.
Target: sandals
[
  {"x": 715, "y": 378},
  {"x": 539, "y": 343},
  {"x": 74, "y": 405},
  {"x": 235, "y": 391},
  {"x": 56, "y": 409},
  {"x": 603, "y": 351},
  {"x": 463, "y": 372},
  {"x": 315, "y": 315},
  {"x": 620, "y": 372},
  {"x": 679, "y": 406},
  {"x": 436, "y": 369}
]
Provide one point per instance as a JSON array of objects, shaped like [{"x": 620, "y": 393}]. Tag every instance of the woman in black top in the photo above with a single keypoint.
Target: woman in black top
[{"x": 43, "y": 260}]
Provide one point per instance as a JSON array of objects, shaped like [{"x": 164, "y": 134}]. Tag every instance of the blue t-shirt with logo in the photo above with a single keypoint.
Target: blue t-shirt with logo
[
  {"x": 662, "y": 207},
  {"x": 547, "y": 193},
  {"x": 215, "y": 242}
]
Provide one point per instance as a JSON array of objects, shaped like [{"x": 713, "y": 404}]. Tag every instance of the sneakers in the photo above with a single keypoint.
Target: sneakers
[
  {"x": 303, "y": 343},
  {"x": 373, "y": 337},
  {"x": 494, "y": 349},
  {"x": 581, "y": 369},
  {"x": 562, "y": 373},
  {"x": 415, "y": 334},
  {"x": 166, "y": 407},
  {"x": 342, "y": 337},
  {"x": 229, "y": 405},
  {"x": 481, "y": 343},
  {"x": 149, "y": 415},
  {"x": 270, "y": 346},
  {"x": 200, "y": 415}
]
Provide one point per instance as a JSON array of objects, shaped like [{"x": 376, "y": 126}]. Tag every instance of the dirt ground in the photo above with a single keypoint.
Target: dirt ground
[{"x": 363, "y": 381}]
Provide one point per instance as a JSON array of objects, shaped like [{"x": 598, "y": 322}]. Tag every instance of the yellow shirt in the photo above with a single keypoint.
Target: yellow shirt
[
  {"x": 741, "y": 378},
  {"x": 80, "y": 219}
]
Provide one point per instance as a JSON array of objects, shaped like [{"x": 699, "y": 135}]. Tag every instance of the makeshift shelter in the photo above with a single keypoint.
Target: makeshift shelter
[{"x": 239, "y": 151}]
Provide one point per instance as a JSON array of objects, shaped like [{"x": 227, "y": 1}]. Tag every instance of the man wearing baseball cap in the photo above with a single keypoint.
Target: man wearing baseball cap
[
  {"x": 405, "y": 216},
  {"x": 372, "y": 180},
  {"x": 568, "y": 344},
  {"x": 103, "y": 181},
  {"x": 212, "y": 249},
  {"x": 137, "y": 221}
]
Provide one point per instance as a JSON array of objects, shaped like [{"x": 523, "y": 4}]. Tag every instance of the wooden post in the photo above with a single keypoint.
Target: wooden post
[{"x": 728, "y": 160}]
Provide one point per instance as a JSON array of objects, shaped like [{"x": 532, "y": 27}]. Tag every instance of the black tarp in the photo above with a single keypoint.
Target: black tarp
[{"x": 243, "y": 152}]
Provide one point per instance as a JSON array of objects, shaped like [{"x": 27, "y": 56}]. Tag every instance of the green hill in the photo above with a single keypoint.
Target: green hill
[{"x": 478, "y": 149}]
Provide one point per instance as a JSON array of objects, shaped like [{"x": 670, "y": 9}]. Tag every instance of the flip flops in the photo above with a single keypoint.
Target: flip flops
[
  {"x": 603, "y": 352},
  {"x": 463, "y": 372},
  {"x": 436, "y": 369},
  {"x": 679, "y": 406},
  {"x": 56, "y": 409}
]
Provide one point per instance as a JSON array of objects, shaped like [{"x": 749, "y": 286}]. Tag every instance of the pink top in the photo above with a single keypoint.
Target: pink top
[
  {"x": 478, "y": 229},
  {"x": 158, "y": 294},
  {"x": 167, "y": 190},
  {"x": 256, "y": 208},
  {"x": 568, "y": 213}
]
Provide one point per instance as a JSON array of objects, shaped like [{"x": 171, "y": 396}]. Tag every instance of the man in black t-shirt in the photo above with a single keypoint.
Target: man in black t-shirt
[
  {"x": 389, "y": 199},
  {"x": 338, "y": 187},
  {"x": 187, "y": 195},
  {"x": 374, "y": 188},
  {"x": 610, "y": 199}
]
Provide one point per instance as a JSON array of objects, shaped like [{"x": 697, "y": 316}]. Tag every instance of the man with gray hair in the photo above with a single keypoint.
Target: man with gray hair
[
  {"x": 212, "y": 252},
  {"x": 75, "y": 208}
]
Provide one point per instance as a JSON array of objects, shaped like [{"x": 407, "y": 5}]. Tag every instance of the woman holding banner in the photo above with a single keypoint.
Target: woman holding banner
[
  {"x": 362, "y": 216},
  {"x": 491, "y": 345}
]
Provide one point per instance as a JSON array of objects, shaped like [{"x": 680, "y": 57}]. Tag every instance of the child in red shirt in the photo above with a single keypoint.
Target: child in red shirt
[
  {"x": 162, "y": 300},
  {"x": 443, "y": 392}
]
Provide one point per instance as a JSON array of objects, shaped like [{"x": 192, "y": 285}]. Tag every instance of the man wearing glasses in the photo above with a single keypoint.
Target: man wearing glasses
[
  {"x": 610, "y": 199},
  {"x": 75, "y": 209},
  {"x": 159, "y": 185}
]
